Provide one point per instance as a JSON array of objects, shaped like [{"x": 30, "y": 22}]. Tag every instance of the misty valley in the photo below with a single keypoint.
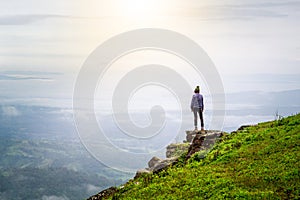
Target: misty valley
[{"x": 42, "y": 156}]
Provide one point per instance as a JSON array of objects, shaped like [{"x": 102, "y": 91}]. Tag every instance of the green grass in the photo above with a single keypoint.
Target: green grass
[{"x": 260, "y": 162}]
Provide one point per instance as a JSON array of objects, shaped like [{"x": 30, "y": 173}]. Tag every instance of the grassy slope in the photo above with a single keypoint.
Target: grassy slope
[{"x": 258, "y": 162}]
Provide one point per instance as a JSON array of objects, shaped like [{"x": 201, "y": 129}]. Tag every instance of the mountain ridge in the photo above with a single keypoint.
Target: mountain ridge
[{"x": 260, "y": 161}]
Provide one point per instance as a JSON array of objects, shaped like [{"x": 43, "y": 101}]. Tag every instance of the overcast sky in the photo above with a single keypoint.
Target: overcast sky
[{"x": 254, "y": 44}]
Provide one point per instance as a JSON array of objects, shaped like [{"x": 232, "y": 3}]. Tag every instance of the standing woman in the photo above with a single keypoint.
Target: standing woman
[{"x": 197, "y": 106}]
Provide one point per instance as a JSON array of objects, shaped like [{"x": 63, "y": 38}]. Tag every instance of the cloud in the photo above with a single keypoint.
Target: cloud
[
  {"x": 208, "y": 12},
  {"x": 237, "y": 11},
  {"x": 30, "y": 72},
  {"x": 10, "y": 111},
  {"x": 254, "y": 10},
  {"x": 26, "y": 75},
  {"x": 22, "y": 77},
  {"x": 53, "y": 197},
  {"x": 92, "y": 188},
  {"x": 268, "y": 4},
  {"x": 27, "y": 19}
]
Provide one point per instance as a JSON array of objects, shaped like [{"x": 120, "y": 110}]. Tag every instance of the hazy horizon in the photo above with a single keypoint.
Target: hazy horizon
[
  {"x": 252, "y": 48},
  {"x": 254, "y": 44}
]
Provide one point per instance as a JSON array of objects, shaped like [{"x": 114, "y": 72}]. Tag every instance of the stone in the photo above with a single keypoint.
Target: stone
[
  {"x": 203, "y": 142},
  {"x": 190, "y": 135},
  {"x": 141, "y": 172},
  {"x": 164, "y": 164},
  {"x": 104, "y": 194},
  {"x": 160, "y": 166},
  {"x": 153, "y": 161},
  {"x": 195, "y": 141},
  {"x": 243, "y": 127},
  {"x": 175, "y": 150}
]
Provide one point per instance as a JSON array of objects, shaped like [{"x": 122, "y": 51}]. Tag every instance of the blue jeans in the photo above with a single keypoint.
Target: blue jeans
[{"x": 199, "y": 111}]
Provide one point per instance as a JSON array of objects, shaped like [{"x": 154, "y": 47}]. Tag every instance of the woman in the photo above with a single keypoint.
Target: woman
[{"x": 197, "y": 106}]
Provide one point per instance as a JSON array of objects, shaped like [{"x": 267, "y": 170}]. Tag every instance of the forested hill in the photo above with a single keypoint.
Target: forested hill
[{"x": 257, "y": 162}]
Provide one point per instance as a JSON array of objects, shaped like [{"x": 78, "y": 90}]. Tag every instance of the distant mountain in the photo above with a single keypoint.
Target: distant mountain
[
  {"x": 251, "y": 107},
  {"x": 288, "y": 97},
  {"x": 42, "y": 157}
]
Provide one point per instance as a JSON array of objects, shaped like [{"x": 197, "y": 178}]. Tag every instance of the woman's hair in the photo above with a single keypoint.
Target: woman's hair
[{"x": 197, "y": 89}]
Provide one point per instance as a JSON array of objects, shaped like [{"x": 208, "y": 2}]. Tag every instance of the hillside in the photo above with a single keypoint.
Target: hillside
[
  {"x": 38, "y": 169},
  {"x": 256, "y": 162},
  {"x": 42, "y": 157}
]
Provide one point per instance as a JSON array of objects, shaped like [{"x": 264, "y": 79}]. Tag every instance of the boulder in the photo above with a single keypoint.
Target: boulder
[
  {"x": 141, "y": 172},
  {"x": 163, "y": 164},
  {"x": 160, "y": 166},
  {"x": 156, "y": 165},
  {"x": 104, "y": 194},
  {"x": 175, "y": 150},
  {"x": 154, "y": 161},
  {"x": 197, "y": 141}
]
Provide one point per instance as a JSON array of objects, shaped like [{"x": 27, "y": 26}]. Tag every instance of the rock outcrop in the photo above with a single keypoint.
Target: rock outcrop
[
  {"x": 203, "y": 142},
  {"x": 155, "y": 165},
  {"x": 195, "y": 141},
  {"x": 175, "y": 150},
  {"x": 190, "y": 135},
  {"x": 104, "y": 194}
]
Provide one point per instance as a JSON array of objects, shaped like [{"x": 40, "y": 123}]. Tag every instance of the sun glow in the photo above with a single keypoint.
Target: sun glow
[{"x": 140, "y": 8}]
